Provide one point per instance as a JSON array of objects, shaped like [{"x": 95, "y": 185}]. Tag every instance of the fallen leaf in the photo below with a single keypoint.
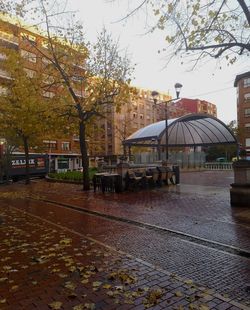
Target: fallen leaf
[
  {"x": 106, "y": 286},
  {"x": 55, "y": 305},
  {"x": 70, "y": 285},
  {"x": 89, "y": 306},
  {"x": 78, "y": 307},
  {"x": 178, "y": 294},
  {"x": 203, "y": 307},
  {"x": 110, "y": 293},
  {"x": 96, "y": 284}
]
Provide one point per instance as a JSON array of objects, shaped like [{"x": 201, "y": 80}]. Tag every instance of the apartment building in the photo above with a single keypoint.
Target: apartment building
[
  {"x": 186, "y": 106},
  {"x": 134, "y": 115},
  {"x": 109, "y": 132},
  {"x": 63, "y": 152},
  {"x": 242, "y": 82}
]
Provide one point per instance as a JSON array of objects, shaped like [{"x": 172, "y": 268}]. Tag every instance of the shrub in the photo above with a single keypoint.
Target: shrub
[{"x": 75, "y": 176}]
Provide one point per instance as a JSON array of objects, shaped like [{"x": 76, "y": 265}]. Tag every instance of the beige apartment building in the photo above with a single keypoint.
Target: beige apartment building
[
  {"x": 242, "y": 82},
  {"x": 118, "y": 125}
]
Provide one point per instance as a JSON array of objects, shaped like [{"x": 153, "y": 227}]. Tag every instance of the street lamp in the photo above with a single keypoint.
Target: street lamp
[{"x": 155, "y": 95}]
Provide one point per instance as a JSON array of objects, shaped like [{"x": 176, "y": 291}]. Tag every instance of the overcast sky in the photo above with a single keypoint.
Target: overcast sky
[{"x": 208, "y": 82}]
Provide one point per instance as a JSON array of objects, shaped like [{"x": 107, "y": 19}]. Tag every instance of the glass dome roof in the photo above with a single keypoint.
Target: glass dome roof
[{"x": 188, "y": 130}]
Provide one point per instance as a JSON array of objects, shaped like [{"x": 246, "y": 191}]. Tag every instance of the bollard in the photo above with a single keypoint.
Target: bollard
[{"x": 176, "y": 170}]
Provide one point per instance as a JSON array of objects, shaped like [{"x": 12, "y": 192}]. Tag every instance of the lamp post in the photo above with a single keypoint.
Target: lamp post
[{"x": 155, "y": 95}]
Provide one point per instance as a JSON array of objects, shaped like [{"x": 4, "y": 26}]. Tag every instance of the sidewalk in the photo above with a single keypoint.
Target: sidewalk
[
  {"x": 61, "y": 258},
  {"x": 44, "y": 266}
]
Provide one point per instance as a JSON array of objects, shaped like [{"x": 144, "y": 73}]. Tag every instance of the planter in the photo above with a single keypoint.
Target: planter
[{"x": 240, "y": 189}]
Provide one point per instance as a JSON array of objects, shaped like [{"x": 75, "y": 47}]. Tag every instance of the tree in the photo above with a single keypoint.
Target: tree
[
  {"x": 202, "y": 28},
  {"x": 123, "y": 125},
  {"x": 91, "y": 77},
  {"x": 25, "y": 115},
  {"x": 16, "y": 7}
]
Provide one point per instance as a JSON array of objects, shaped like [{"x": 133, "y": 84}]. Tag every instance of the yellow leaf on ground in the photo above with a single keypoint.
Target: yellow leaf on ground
[
  {"x": 178, "y": 294},
  {"x": 96, "y": 284},
  {"x": 70, "y": 285},
  {"x": 106, "y": 286},
  {"x": 78, "y": 307},
  {"x": 89, "y": 306},
  {"x": 55, "y": 305},
  {"x": 203, "y": 307}
]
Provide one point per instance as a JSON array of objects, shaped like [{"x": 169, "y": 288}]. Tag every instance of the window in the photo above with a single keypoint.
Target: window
[
  {"x": 28, "y": 37},
  {"x": 45, "y": 44},
  {"x": 76, "y": 138},
  {"x": 3, "y": 91},
  {"x": 247, "y": 142},
  {"x": 48, "y": 79},
  {"x": 48, "y": 94},
  {"x": 30, "y": 73},
  {"x": 141, "y": 116},
  {"x": 247, "y": 112},
  {"x": 3, "y": 56},
  {"x": 8, "y": 37},
  {"x": 4, "y": 74},
  {"x": 28, "y": 56},
  {"x": 46, "y": 61},
  {"x": 247, "y": 126},
  {"x": 50, "y": 145},
  {"x": 246, "y": 82},
  {"x": 65, "y": 146},
  {"x": 134, "y": 115},
  {"x": 247, "y": 97}
]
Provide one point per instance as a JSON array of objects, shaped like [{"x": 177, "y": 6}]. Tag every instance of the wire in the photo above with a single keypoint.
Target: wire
[{"x": 212, "y": 92}]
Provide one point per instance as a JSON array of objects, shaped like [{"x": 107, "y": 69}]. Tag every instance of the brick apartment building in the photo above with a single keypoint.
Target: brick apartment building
[
  {"x": 242, "y": 82},
  {"x": 64, "y": 152},
  {"x": 133, "y": 116},
  {"x": 186, "y": 106}
]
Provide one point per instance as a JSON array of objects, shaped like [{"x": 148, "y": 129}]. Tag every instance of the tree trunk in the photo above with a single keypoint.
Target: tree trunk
[
  {"x": 84, "y": 153},
  {"x": 27, "y": 166}
]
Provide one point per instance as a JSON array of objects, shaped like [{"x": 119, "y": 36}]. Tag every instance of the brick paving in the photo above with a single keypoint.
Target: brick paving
[
  {"x": 45, "y": 266},
  {"x": 204, "y": 213}
]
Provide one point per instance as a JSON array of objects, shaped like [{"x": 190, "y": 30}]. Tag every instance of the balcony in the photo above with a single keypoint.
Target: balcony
[
  {"x": 4, "y": 74},
  {"x": 7, "y": 37}
]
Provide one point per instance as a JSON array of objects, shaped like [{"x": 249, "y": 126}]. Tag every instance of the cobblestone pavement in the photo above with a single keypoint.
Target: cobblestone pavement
[{"x": 168, "y": 208}]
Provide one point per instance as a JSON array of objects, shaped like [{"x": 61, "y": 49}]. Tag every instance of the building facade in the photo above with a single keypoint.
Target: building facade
[
  {"x": 63, "y": 151},
  {"x": 118, "y": 125},
  {"x": 186, "y": 106},
  {"x": 242, "y": 82},
  {"x": 109, "y": 132}
]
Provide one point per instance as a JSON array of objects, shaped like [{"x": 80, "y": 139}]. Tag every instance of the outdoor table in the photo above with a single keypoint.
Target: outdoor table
[{"x": 107, "y": 182}]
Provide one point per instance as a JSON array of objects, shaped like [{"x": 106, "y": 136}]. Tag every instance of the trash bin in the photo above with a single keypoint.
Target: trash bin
[{"x": 176, "y": 170}]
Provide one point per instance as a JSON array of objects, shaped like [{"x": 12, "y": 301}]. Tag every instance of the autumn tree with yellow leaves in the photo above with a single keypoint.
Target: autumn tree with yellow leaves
[
  {"x": 25, "y": 115},
  {"x": 198, "y": 29},
  {"x": 90, "y": 77}
]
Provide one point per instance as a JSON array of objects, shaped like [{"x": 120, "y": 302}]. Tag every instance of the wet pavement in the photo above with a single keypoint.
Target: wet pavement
[{"x": 188, "y": 231}]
